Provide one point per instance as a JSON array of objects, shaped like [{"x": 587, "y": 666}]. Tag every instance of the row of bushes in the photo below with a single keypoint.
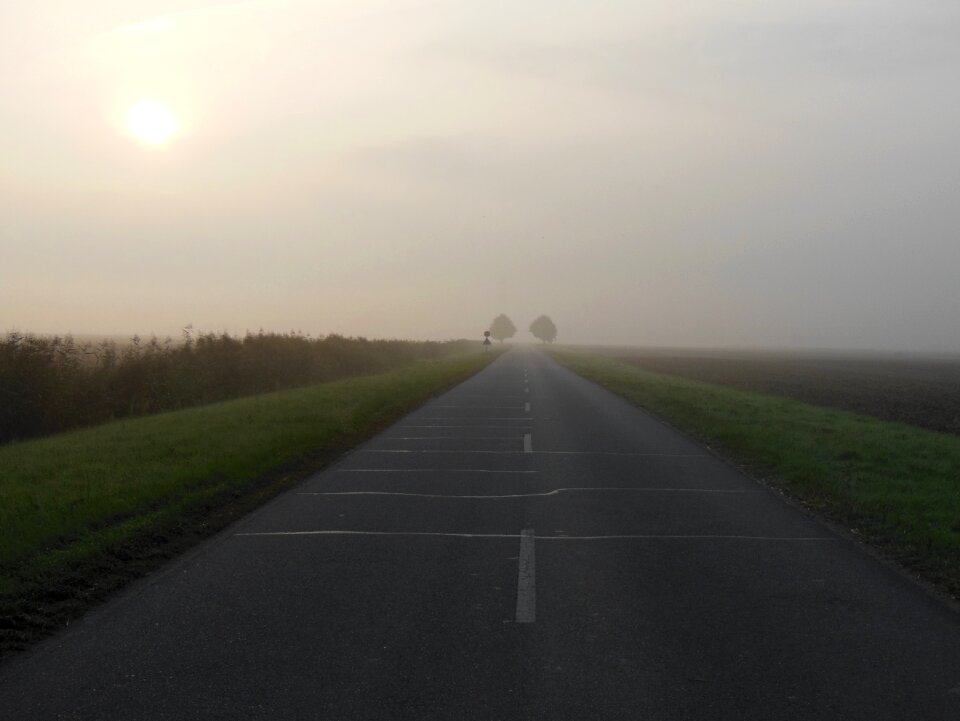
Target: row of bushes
[{"x": 50, "y": 384}]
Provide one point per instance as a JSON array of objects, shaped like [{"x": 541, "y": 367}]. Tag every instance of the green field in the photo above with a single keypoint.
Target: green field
[
  {"x": 81, "y": 512},
  {"x": 895, "y": 485}
]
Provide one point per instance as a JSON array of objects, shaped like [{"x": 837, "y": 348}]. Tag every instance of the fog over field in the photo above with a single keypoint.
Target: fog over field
[{"x": 763, "y": 173}]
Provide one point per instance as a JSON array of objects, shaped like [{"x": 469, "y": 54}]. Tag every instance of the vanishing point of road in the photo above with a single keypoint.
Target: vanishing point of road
[{"x": 525, "y": 546}]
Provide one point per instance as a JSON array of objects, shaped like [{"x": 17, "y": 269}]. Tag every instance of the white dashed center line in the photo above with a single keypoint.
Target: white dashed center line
[
  {"x": 544, "y": 494},
  {"x": 526, "y": 579}
]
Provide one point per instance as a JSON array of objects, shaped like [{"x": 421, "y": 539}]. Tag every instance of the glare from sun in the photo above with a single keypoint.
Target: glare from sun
[{"x": 152, "y": 122}]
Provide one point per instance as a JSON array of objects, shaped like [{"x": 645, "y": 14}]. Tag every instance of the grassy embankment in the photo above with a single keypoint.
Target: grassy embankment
[
  {"x": 895, "y": 485},
  {"x": 84, "y": 511}
]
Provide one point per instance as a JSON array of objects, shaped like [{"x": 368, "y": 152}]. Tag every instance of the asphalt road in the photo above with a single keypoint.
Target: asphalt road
[{"x": 526, "y": 546}]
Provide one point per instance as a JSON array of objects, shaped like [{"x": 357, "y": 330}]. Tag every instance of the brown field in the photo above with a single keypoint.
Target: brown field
[{"x": 922, "y": 391}]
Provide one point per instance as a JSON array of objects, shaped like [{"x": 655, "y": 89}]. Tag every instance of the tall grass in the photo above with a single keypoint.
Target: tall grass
[{"x": 52, "y": 384}]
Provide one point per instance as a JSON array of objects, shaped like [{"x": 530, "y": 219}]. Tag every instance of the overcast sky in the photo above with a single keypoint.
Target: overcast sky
[{"x": 712, "y": 173}]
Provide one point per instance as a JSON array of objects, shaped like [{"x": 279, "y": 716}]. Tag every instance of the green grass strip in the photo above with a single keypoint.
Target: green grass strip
[
  {"x": 73, "y": 505},
  {"x": 896, "y": 485}
]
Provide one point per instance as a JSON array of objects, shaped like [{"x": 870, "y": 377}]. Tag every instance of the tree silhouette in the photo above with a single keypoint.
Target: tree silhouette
[
  {"x": 502, "y": 328},
  {"x": 544, "y": 329}
]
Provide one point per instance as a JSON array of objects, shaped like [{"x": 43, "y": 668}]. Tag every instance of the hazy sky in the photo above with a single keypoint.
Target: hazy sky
[{"x": 712, "y": 172}]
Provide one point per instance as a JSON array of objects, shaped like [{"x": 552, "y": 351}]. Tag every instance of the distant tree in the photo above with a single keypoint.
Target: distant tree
[
  {"x": 502, "y": 328},
  {"x": 544, "y": 329}
]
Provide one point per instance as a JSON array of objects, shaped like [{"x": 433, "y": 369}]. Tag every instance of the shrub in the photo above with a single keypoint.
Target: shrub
[{"x": 50, "y": 384}]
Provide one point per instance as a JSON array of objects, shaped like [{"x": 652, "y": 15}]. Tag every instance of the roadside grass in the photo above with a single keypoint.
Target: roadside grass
[
  {"x": 896, "y": 486},
  {"x": 84, "y": 511}
]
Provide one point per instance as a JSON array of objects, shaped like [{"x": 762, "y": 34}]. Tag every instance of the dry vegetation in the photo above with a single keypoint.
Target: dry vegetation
[{"x": 51, "y": 384}]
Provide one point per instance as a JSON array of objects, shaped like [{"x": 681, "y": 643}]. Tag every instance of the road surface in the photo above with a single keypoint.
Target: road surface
[{"x": 526, "y": 546}]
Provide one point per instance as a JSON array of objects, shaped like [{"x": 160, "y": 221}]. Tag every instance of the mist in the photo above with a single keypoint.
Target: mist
[{"x": 762, "y": 174}]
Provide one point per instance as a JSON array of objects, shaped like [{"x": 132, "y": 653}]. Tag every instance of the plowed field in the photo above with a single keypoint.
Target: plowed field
[{"x": 924, "y": 392}]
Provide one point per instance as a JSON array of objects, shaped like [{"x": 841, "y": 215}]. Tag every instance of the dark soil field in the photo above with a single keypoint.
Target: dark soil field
[{"x": 921, "y": 391}]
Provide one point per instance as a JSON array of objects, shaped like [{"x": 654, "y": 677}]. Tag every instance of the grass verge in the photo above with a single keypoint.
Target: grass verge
[
  {"x": 83, "y": 512},
  {"x": 896, "y": 486}
]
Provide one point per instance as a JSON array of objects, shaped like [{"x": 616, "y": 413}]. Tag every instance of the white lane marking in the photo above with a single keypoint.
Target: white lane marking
[
  {"x": 625, "y": 453},
  {"x": 424, "y": 470},
  {"x": 667, "y": 537},
  {"x": 485, "y": 396},
  {"x": 528, "y": 443},
  {"x": 490, "y": 428},
  {"x": 624, "y": 537},
  {"x": 514, "y": 453},
  {"x": 381, "y": 533},
  {"x": 448, "y": 438},
  {"x": 461, "y": 418},
  {"x": 555, "y": 492},
  {"x": 487, "y": 408},
  {"x": 526, "y": 390},
  {"x": 526, "y": 579},
  {"x": 388, "y": 450},
  {"x": 526, "y": 407}
]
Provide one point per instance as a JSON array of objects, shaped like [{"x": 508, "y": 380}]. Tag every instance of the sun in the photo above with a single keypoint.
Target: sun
[{"x": 152, "y": 121}]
